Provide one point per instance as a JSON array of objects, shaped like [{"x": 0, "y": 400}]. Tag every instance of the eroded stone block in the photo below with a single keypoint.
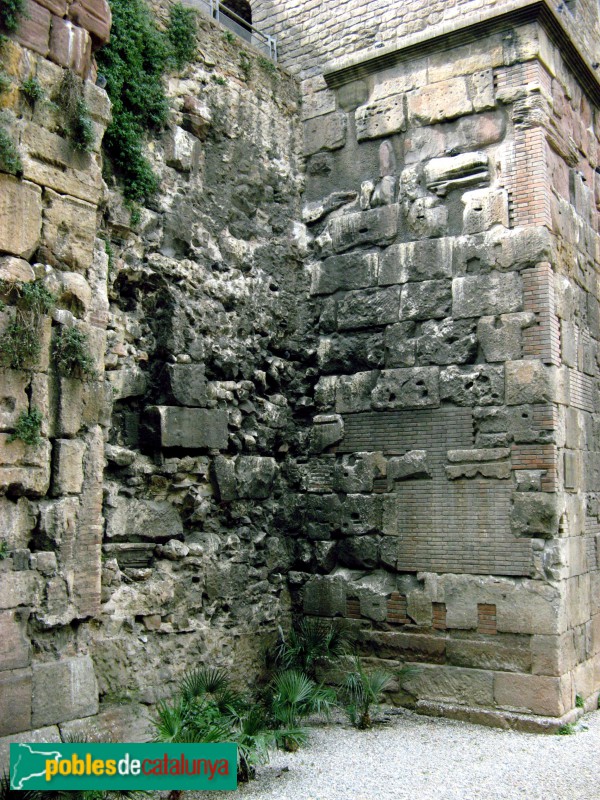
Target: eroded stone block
[
  {"x": 191, "y": 428},
  {"x": 67, "y": 471},
  {"x": 439, "y": 101},
  {"x": 534, "y": 514},
  {"x": 426, "y": 300},
  {"x": 529, "y": 381},
  {"x": 416, "y": 261},
  {"x": 371, "y": 308},
  {"x": 472, "y": 386},
  {"x": 447, "y": 342},
  {"x": 15, "y": 701},
  {"x": 64, "y": 690},
  {"x": 407, "y": 388},
  {"x": 455, "y": 172},
  {"x": 351, "y": 271},
  {"x": 69, "y": 231},
  {"x": 20, "y": 216},
  {"x": 327, "y": 132},
  {"x": 382, "y": 117},
  {"x": 130, "y": 520},
  {"x": 187, "y": 384},
  {"x": 501, "y": 337},
  {"x": 378, "y": 226},
  {"x": 481, "y": 295}
]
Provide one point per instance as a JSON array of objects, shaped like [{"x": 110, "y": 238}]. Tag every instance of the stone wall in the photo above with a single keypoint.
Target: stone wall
[
  {"x": 146, "y": 535},
  {"x": 311, "y": 34},
  {"x": 51, "y": 494},
  {"x": 450, "y": 496}
]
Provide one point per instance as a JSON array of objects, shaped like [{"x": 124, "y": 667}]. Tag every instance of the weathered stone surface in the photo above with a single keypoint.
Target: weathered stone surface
[
  {"x": 15, "y": 270},
  {"x": 15, "y": 701},
  {"x": 358, "y": 552},
  {"x": 191, "y": 428},
  {"x": 355, "y": 473},
  {"x": 378, "y": 226},
  {"x": 400, "y": 345},
  {"x": 64, "y": 690},
  {"x": 500, "y": 249},
  {"x": 322, "y": 516},
  {"x": 529, "y": 382},
  {"x": 368, "y": 308},
  {"x": 69, "y": 231},
  {"x": 16, "y": 648},
  {"x": 131, "y": 520},
  {"x": 447, "y": 342},
  {"x": 326, "y": 132},
  {"x": 13, "y": 398},
  {"x": 439, "y": 101},
  {"x": 479, "y": 295},
  {"x": 472, "y": 386},
  {"x": 40, "y": 736},
  {"x": 484, "y": 208},
  {"x": 534, "y": 514},
  {"x": 315, "y": 211},
  {"x": 129, "y": 722},
  {"x": 187, "y": 384},
  {"x": 95, "y": 17},
  {"x": 18, "y": 520},
  {"x": 426, "y": 300},
  {"x": 351, "y": 352},
  {"x": 328, "y": 429},
  {"x": 70, "y": 46},
  {"x": 352, "y": 271},
  {"x": 24, "y": 468},
  {"x": 427, "y": 218},
  {"x": 182, "y": 149},
  {"x": 20, "y": 216},
  {"x": 452, "y": 684},
  {"x": 409, "y": 466},
  {"x": 255, "y": 476},
  {"x": 501, "y": 337},
  {"x": 382, "y": 117},
  {"x": 416, "y": 261},
  {"x": 67, "y": 468},
  {"x": 407, "y": 388},
  {"x": 360, "y": 514},
  {"x": 494, "y": 471},
  {"x": 325, "y": 595},
  {"x": 532, "y": 693},
  {"x": 353, "y": 392},
  {"x": 511, "y": 654},
  {"x": 455, "y": 172},
  {"x": 34, "y": 28}
]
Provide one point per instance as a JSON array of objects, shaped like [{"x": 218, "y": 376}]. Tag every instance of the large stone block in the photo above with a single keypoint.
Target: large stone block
[
  {"x": 15, "y": 270},
  {"x": 328, "y": 429},
  {"x": 13, "y": 398},
  {"x": 534, "y": 694},
  {"x": 382, "y": 117},
  {"x": 360, "y": 514},
  {"x": 255, "y": 476},
  {"x": 477, "y": 385},
  {"x": 348, "y": 353},
  {"x": 510, "y": 653},
  {"x": 69, "y": 231},
  {"x": 351, "y": 271},
  {"x": 17, "y": 520},
  {"x": 416, "y": 261},
  {"x": 95, "y": 17},
  {"x": 426, "y": 300},
  {"x": 501, "y": 337},
  {"x": 187, "y": 384},
  {"x": 34, "y": 27},
  {"x": 20, "y": 216},
  {"x": 456, "y": 172},
  {"x": 447, "y": 342},
  {"x": 131, "y": 520},
  {"x": 327, "y": 132},
  {"x": 353, "y": 392},
  {"x": 24, "y": 468},
  {"x": 501, "y": 249},
  {"x": 529, "y": 382},
  {"x": 70, "y": 46},
  {"x": 484, "y": 208},
  {"x": 534, "y": 514},
  {"x": 67, "y": 471},
  {"x": 378, "y": 226},
  {"x": 480, "y": 295},
  {"x": 439, "y": 101},
  {"x": 400, "y": 345},
  {"x": 39, "y": 736},
  {"x": 407, "y": 388},
  {"x": 368, "y": 308},
  {"x": 451, "y": 685},
  {"x": 325, "y": 596},
  {"x": 64, "y": 690},
  {"x": 191, "y": 428},
  {"x": 16, "y": 648},
  {"x": 15, "y": 701}
]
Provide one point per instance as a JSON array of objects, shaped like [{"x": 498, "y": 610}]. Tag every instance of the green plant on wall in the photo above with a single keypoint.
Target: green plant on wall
[
  {"x": 78, "y": 126},
  {"x": 181, "y": 33},
  {"x": 10, "y": 11},
  {"x": 10, "y": 160},
  {"x": 20, "y": 343},
  {"x": 28, "y": 427},
  {"x": 71, "y": 354},
  {"x": 32, "y": 90}
]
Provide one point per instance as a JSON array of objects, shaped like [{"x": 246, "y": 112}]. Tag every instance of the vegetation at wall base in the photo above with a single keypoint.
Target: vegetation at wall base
[
  {"x": 312, "y": 643},
  {"x": 10, "y": 11},
  {"x": 363, "y": 689}
]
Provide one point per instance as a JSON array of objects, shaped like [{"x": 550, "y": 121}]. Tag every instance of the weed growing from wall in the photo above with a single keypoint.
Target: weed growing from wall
[
  {"x": 78, "y": 125},
  {"x": 10, "y": 161},
  {"x": 32, "y": 90},
  {"x": 20, "y": 344},
  {"x": 181, "y": 34},
  {"x": 28, "y": 428},
  {"x": 71, "y": 354},
  {"x": 10, "y": 11}
]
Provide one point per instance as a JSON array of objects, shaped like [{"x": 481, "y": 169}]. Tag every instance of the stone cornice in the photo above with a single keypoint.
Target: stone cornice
[{"x": 467, "y": 29}]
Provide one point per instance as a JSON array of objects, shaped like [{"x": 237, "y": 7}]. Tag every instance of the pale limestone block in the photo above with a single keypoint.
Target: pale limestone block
[
  {"x": 439, "y": 101},
  {"x": 69, "y": 230},
  {"x": 20, "y": 216}
]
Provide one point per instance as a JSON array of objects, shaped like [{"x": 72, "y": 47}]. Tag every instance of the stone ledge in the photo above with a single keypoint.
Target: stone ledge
[{"x": 527, "y": 723}]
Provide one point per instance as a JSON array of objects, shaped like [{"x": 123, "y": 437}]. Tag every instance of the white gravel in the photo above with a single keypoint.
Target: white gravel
[{"x": 431, "y": 759}]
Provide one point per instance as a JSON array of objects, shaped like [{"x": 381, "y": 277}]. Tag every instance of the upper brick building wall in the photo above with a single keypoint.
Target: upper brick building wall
[{"x": 313, "y": 32}]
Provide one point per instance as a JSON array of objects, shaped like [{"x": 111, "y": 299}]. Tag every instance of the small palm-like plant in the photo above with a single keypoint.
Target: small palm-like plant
[
  {"x": 363, "y": 689},
  {"x": 311, "y": 644},
  {"x": 295, "y": 696}
]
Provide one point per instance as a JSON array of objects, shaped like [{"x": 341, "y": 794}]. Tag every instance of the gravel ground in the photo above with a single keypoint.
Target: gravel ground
[{"x": 431, "y": 759}]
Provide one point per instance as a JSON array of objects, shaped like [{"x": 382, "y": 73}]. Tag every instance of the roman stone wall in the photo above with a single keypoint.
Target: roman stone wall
[
  {"x": 145, "y": 535},
  {"x": 449, "y": 498},
  {"x": 311, "y": 34}
]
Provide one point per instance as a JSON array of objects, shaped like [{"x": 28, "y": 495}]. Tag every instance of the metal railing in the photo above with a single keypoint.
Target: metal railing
[{"x": 233, "y": 22}]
